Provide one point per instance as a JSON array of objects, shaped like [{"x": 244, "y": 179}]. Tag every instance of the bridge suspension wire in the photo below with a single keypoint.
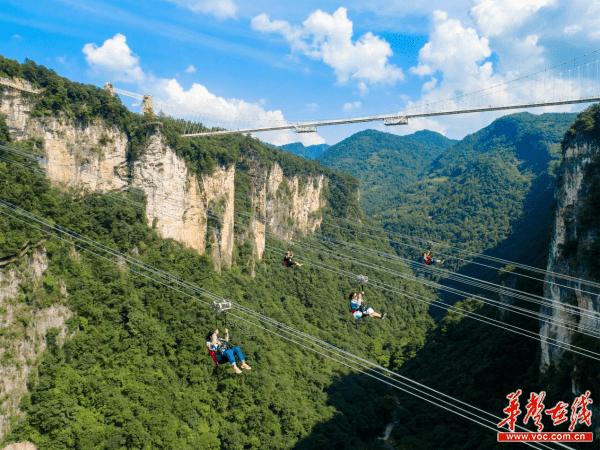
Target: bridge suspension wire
[
  {"x": 339, "y": 354},
  {"x": 534, "y": 90}
]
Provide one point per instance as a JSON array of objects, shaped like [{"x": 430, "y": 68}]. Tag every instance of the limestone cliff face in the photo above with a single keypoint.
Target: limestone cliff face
[
  {"x": 179, "y": 204},
  {"x": 86, "y": 156},
  {"x": 570, "y": 242},
  {"x": 195, "y": 210},
  {"x": 284, "y": 206},
  {"x": 24, "y": 334},
  {"x": 571, "y": 195}
]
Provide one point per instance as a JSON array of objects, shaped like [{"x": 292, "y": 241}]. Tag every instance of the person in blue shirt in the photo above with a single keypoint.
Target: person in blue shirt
[
  {"x": 222, "y": 352},
  {"x": 359, "y": 309}
]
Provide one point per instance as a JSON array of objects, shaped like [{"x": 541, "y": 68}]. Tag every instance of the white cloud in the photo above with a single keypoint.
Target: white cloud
[
  {"x": 312, "y": 106},
  {"x": 458, "y": 56},
  {"x": 572, "y": 29},
  {"x": 190, "y": 69},
  {"x": 350, "y": 106},
  {"x": 221, "y": 9},
  {"x": 586, "y": 13},
  {"x": 16, "y": 36},
  {"x": 495, "y": 17},
  {"x": 454, "y": 50},
  {"x": 422, "y": 69},
  {"x": 430, "y": 84},
  {"x": 61, "y": 59},
  {"x": 328, "y": 38},
  {"x": 116, "y": 58}
]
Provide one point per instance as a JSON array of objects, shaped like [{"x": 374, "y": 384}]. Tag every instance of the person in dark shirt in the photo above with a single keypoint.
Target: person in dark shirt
[{"x": 288, "y": 260}]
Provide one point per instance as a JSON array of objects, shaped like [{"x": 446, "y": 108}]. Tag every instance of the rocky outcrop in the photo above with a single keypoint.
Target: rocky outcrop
[
  {"x": 571, "y": 196},
  {"x": 195, "y": 210},
  {"x": 20, "y": 446},
  {"x": 76, "y": 154},
  {"x": 23, "y": 338},
  {"x": 570, "y": 243}
]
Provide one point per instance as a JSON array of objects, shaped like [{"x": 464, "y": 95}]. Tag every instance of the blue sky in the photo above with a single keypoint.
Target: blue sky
[{"x": 302, "y": 60}]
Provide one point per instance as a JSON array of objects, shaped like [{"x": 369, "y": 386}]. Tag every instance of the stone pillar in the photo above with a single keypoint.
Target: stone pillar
[
  {"x": 148, "y": 107},
  {"x": 110, "y": 88}
]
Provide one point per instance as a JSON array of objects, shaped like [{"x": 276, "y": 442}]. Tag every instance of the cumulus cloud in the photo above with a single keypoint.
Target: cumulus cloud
[
  {"x": 495, "y": 17},
  {"x": 221, "y": 9},
  {"x": 429, "y": 85},
  {"x": 16, "y": 36},
  {"x": 454, "y": 49},
  {"x": 115, "y": 57},
  {"x": 190, "y": 69},
  {"x": 328, "y": 38},
  {"x": 61, "y": 59},
  {"x": 459, "y": 58},
  {"x": 572, "y": 29},
  {"x": 312, "y": 106},
  {"x": 350, "y": 106}
]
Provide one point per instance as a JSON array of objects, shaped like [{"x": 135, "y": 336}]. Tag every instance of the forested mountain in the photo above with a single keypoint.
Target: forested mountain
[
  {"x": 482, "y": 364},
  {"x": 298, "y": 148},
  {"x": 385, "y": 163},
  {"x": 493, "y": 184},
  {"x": 99, "y": 356},
  {"x": 473, "y": 193},
  {"x": 126, "y": 365}
]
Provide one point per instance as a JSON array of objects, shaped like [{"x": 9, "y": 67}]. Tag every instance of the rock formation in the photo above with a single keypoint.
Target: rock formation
[
  {"x": 570, "y": 248},
  {"x": 94, "y": 157},
  {"x": 24, "y": 334}
]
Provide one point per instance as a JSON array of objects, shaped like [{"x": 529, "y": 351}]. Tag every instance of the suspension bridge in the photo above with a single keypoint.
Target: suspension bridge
[{"x": 572, "y": 82}]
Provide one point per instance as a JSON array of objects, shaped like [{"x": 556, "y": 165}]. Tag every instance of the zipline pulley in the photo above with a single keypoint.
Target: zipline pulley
[
  {"x": 221, "y": 306},
  {"x": 361, "y": 279}
]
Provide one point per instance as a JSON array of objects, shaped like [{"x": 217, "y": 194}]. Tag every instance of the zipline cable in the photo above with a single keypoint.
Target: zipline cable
[{"x": 168, "y": 286}]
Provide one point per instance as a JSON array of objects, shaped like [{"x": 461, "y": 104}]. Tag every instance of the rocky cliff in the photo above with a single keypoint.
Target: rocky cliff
[
  {"x": 574, "y": 252},
  {"x": 23, "y": 329},
  {"x": 95, "y": 157}
]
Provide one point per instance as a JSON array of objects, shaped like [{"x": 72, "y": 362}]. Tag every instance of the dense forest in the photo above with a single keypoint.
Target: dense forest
[
  {"x": 134, "y": 371},
  {"x": 385, "y": 163}
]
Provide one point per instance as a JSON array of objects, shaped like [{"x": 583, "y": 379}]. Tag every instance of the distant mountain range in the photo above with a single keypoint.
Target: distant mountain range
[
  {"x": 476, "y": 193},
  {"x": 385, "y": 162},
  {"x": 297, "y": 148}
]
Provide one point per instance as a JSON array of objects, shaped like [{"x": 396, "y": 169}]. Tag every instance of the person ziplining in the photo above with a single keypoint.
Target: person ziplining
[
  {"x": 428, "y": 259},
  {"x": 288, "y": 261},
  {"x": 219, "y": 350},
  {"x": 357, "y": 305}
]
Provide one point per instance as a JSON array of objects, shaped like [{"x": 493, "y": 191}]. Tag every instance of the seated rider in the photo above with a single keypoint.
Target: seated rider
[
  {"x": 220, "y": 347},
  {"x": 358, "y": 308},
  {"x": 427, "y": 259},
  {"x": 288, "y": 261}
]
